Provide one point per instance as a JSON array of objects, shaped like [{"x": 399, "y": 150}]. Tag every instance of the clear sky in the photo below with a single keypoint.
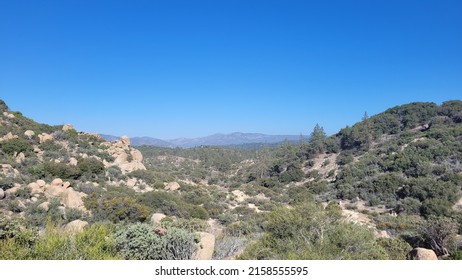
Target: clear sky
[{"x": 187, "y": 68}]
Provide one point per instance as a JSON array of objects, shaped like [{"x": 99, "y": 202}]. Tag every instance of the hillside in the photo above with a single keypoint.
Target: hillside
[{"x": 390, "y": 183}]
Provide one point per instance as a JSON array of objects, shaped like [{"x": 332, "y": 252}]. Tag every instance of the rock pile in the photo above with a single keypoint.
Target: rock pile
[{"x": 127, "y": 158}]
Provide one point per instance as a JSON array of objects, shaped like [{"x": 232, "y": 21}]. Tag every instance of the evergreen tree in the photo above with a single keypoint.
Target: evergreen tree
[{"x": 318, "y": 138}]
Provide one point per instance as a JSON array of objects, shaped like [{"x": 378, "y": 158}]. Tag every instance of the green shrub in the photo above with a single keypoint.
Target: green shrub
[
  {"x": 61, "y": 170},
  {"x": 115, "y": 208},
  {"x": 15, "y": 146},
  {"x": 90, "y": 165},
  {"x": 140, "y": 242}
]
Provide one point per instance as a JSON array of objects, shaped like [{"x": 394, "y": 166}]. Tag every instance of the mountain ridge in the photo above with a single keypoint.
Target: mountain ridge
[{"x": 217, "y": 139}]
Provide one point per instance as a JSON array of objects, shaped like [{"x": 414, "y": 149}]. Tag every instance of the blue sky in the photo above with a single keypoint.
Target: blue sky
[{"x": 174, "y": 68}]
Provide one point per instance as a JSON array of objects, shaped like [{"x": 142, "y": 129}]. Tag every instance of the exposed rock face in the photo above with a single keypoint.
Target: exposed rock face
[
  {"x": 156, "y": 219},
  {"x": 68, "y": 127},
  {"x": 20, "y": 158},
  {"x": 66, "y": 195},
  {"x": 173, "y": 186},
  {"x": 75, "y": 227},
  {"x": 29, "y": 133},
  {"x": 127, "y": 158},
  {"x": 206, "y": 246},
  {"x": 36, "y": 189},
  {"x": 2, "y": 194},
  {"x": 45, "y": 137},
  {"x": 8, "y": 171},
  {"x": 421, "y": 254},
  {"x": 9, "y": 136}
]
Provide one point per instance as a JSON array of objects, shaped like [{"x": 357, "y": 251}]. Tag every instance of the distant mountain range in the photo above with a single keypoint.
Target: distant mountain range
[{"x": 219, "y": 139}]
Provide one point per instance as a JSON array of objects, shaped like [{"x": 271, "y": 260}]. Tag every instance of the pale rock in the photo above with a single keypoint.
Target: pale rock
[
  {"x": 12, "y": 191},
  {"x": 421, "y": 254},
  {"x": 173, "y": 186},
  {"x": 68, "y": 127},
  {"x": 157, "y": 219},
  {"x": 45, "y": 206},
  {"x": 73, "y": 161},
  {"x": 136, "y": 155},
  {"x": 41, "y": 183},
  {"x": 8, "y": 170},
  {"x": 29, "y": 134},
  {"x": 20, "y": 158},
  {"x": 2, "y": 194},
  {"x": 131, "y": 183},
  {"x": 57, "y": 183},
  {"x": 35, "y": 189},
  {"x": 73, "y": 199},
  {"x": 10, "y": 136},
  {"x": 45, "y": 137},
  {"x": 75, "y": 227},
  {"x": 382, "y": 234},
  {"x": 34, "y": 199},
  {"x": 206, "y": 246},
  {"x": 125, "y": 140}
]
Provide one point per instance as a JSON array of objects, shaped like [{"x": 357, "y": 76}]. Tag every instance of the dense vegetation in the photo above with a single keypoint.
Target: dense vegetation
[{"x": 289, "y": 201}]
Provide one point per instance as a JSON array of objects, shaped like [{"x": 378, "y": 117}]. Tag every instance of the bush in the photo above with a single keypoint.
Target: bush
[
  {"x": 15, "y": 146},
  {"x": 140, "y": 242},
  {"x": 115, "y": 208},
  {"x": 90, "y": 165},
  {"x": 61, "y": 170}
]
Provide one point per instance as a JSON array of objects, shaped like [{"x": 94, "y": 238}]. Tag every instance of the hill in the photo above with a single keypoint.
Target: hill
[
  {"x": 389, "y": 183},
  {"x": 232, "y": 139}
]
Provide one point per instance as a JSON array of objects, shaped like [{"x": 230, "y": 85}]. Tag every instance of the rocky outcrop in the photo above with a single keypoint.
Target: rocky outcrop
[
  {"x": 29, "y": 134},
  {"x": 45, "y": 137},
  {"x": 173, "y": 186},
  {"x": 126, "y": 158},
  {"x": 421, "y": 254},
  {"x": 8, "y": 171},
  {"x": 66, "y": 195},
  {"x": 75, "y": 227},
  {"x": 2, "y": 194},
  {"x": 156, "y": 219},
  {"x": 206, "y": 246},
  {"x": 9, "y": 136},
  {"x": 68, "y": 127},
  {"x": 20, "y": 158}
]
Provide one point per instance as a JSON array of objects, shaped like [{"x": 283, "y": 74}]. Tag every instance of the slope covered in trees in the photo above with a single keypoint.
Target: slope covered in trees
[{"x": 389, "y": 183}]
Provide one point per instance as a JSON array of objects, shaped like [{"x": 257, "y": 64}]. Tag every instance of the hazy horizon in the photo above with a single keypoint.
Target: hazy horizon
[{"x": 180, "y": 69}]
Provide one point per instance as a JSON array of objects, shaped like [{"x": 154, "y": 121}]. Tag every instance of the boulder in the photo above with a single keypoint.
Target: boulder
[
  {"x": 156, "y": 219},
  {"x": 136, "y": 155},
  {"x": 35, "y": 189},
  {"x": 57, "y": 183},
  {"x": 73, "y": 199},
  {"x": 206, "y": 246},
  {"x": 2, "y": 194},
  {"x": 68, "y": 127},
  {"x": 12, "y": 191},
  {"x": 73, "y": 161},
  {"x": 41, "y": 183},
  {"x": 125, "y": 140},
  {"x": 421, "y": 254},
  {"x": 45, "y": 137},
  {"x": 75, "y": 227},
  {"x": 29, "y": 133},
  {"x": 20, "y": 158},
  {"x": 45, "y": 206},
  {"x": 173, "y": 186},
  {"x": 131, "y": 183}
]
